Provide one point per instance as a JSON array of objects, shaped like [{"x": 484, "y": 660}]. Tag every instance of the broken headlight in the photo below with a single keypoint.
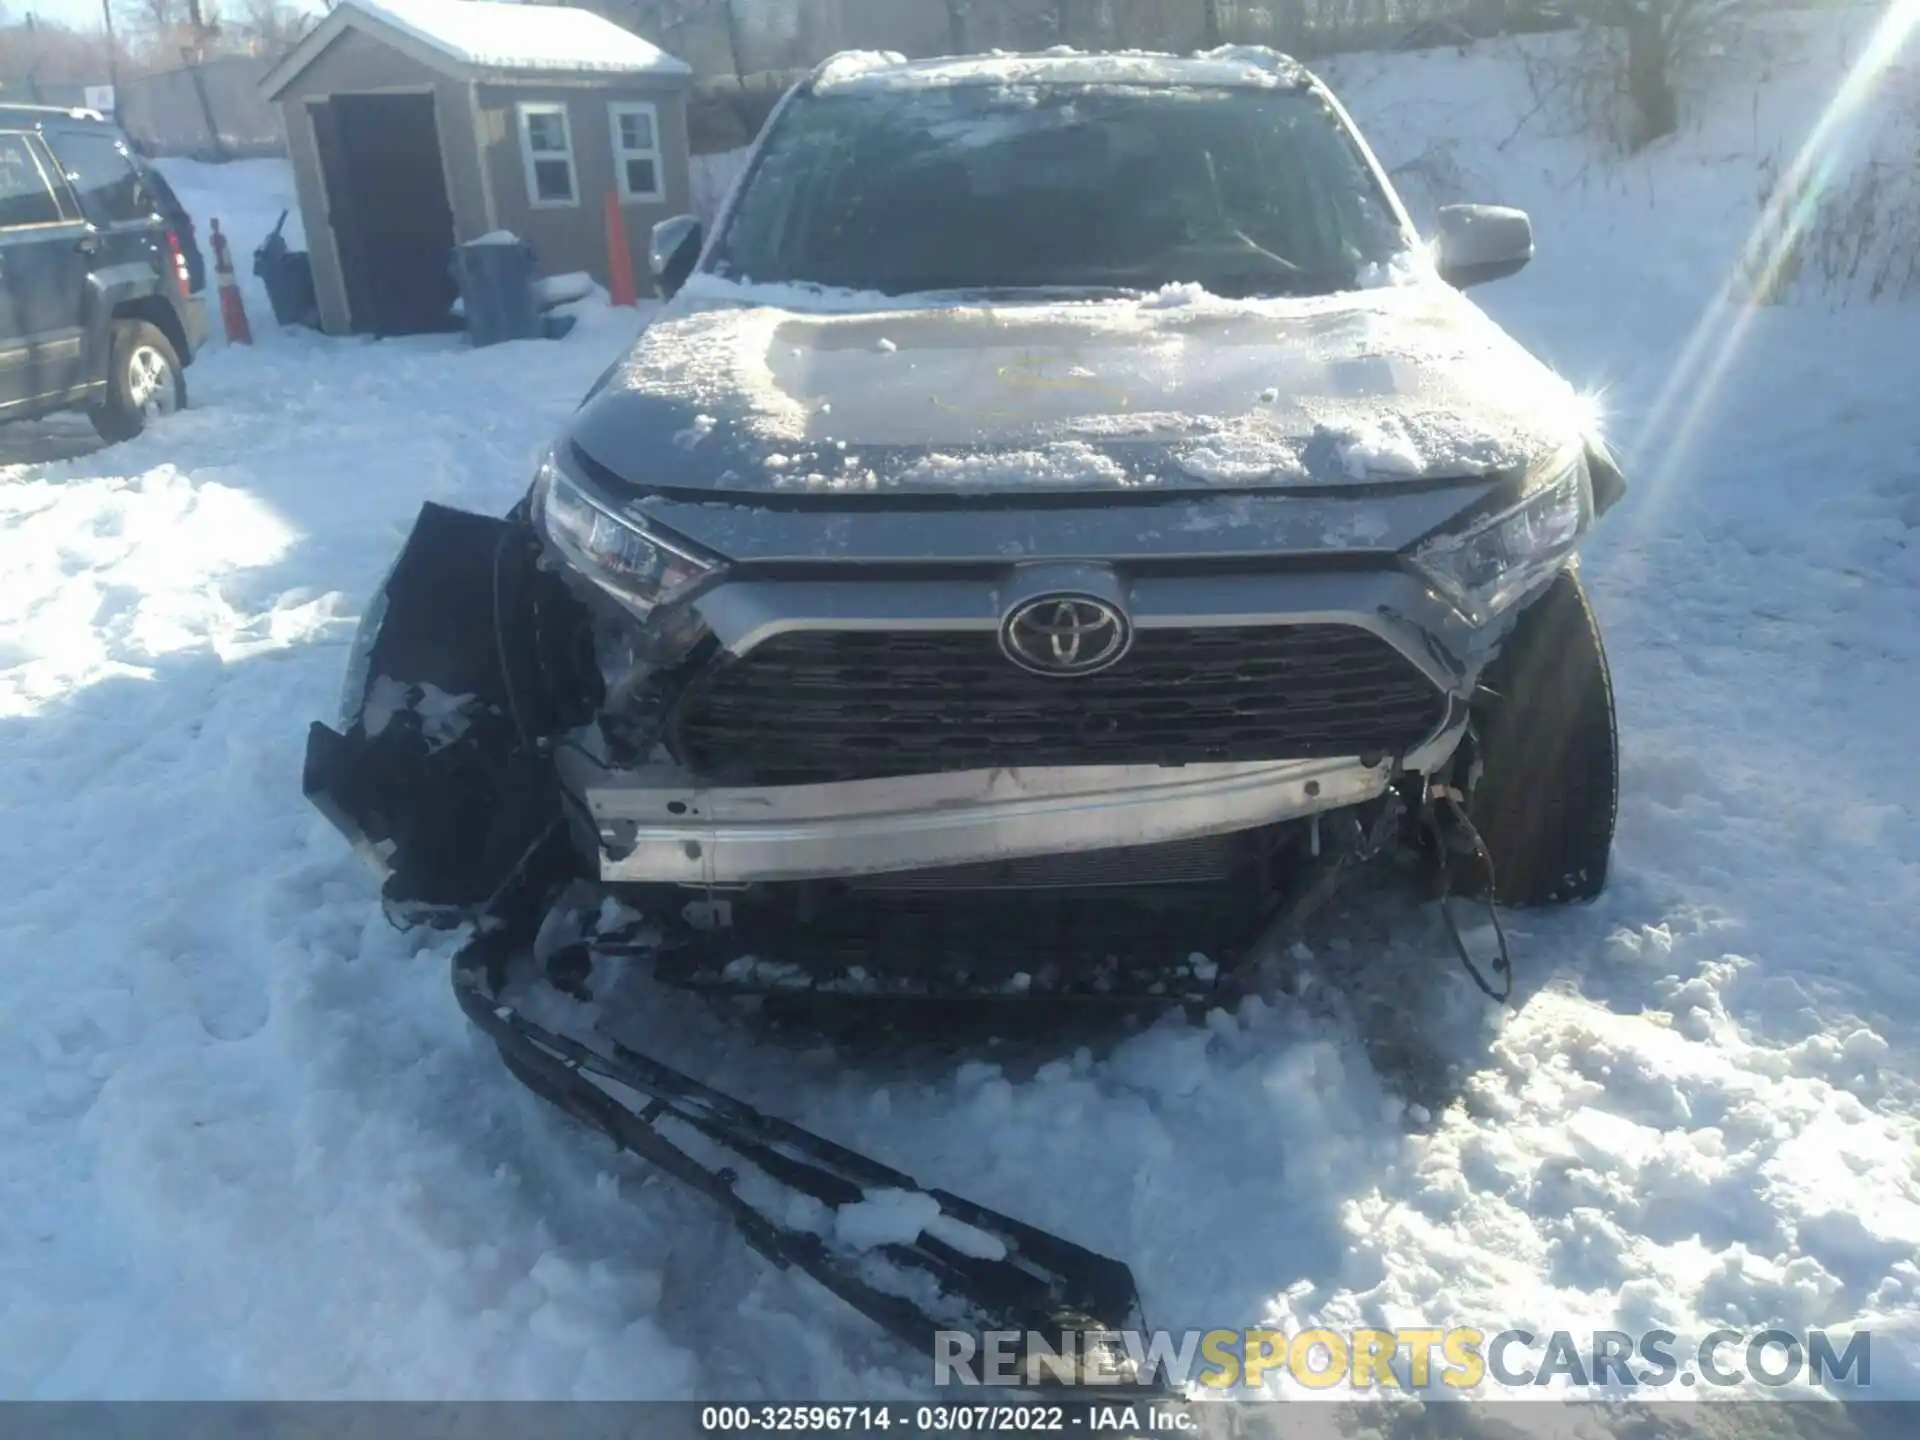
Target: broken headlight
[
  {"x": 1484, "y": 568},
  {"x": 632, "y": 561}
]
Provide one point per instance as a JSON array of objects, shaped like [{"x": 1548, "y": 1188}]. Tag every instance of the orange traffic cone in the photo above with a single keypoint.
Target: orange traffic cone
[
  {"x": 620, "y": 286},
  {"x": 233, "y": 313}
]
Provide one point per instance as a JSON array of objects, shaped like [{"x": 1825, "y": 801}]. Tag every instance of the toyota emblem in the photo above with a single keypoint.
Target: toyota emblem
[{"x": 1065, "y": 635}]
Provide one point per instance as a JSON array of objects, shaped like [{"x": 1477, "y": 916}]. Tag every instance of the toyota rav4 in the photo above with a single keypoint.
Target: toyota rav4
[{"x": 1062, "y": 504}]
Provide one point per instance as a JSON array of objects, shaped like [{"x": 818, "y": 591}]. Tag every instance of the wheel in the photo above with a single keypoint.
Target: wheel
[
  {"x": 1546, "y": 750},
  {"x": 144, "y": 381}
]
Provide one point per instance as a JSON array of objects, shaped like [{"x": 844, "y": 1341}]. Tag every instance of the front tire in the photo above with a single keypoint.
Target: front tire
[
  {"x": 1545, "y": 740},
  {"x": 145, "y": 380}
]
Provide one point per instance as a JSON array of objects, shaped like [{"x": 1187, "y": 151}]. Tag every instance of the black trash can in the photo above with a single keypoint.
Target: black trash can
[
  {"x": 288, "y": 276},
  {"x": 496, "y": 289}
]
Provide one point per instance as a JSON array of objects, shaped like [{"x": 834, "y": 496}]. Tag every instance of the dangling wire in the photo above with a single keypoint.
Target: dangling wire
[
  {"x": 1458, "y": 825},
  {"x": 528, "y": 744},
  {"x": 500, "y": 642}
]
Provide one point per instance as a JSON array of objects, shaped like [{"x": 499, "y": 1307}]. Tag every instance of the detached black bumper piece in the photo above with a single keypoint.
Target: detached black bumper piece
[{"x": 990, "y": 1272}]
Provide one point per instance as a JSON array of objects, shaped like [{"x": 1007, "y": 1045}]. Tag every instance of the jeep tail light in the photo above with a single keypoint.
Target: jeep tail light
[{"x": 180, "y": 271}]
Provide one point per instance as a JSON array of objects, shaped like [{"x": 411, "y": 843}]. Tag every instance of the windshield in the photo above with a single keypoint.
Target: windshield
[{"x": 1246, "y": 192}]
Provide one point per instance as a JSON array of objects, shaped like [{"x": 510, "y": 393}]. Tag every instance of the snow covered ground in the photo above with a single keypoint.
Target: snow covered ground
[{"x": 253, "y": 1150}]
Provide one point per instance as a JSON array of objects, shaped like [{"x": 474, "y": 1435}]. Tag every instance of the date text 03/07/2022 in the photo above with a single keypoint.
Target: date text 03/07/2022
[{"x": 1084, "y": 1418}]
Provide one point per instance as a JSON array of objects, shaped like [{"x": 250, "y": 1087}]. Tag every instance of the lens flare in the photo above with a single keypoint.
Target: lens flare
[{"x": 1710, "y": 351}]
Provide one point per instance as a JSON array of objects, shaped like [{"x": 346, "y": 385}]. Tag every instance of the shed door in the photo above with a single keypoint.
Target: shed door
[{"x": 387, "y": 205}]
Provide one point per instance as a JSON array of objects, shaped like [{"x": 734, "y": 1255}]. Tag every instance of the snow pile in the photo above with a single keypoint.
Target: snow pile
[
  {"x": 552, "y": 290},
  {"x": 1242, "y": 65},
  {"x": 899, "y": 1217},
  {"x": 852, "y": 64},
  {"x": 1063, "y": 466},
  {"x": 186, "y": 1075},
  {"x": 1385, "y": 448}
]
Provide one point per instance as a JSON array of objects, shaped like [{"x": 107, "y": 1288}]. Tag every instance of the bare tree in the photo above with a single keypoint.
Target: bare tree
[
  {"x": 271, "y": 26},
  {"x": 35, "y": 52},
  {"x": 159, "y": 17},
  {"x": 1663, "y": 37},
  {"x": 203, "y": 26},
  {"x": 957, "y": 16},
  {"x": 680, "y": 25}
]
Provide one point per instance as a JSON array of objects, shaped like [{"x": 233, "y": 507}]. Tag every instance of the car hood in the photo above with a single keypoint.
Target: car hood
[{"x": 735, "y": 391}]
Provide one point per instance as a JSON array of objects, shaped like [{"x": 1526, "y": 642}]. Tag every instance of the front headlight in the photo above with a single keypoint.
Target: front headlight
[
  {"x": 1486, "y": 567},
  {"x": 629, "y": 559}
]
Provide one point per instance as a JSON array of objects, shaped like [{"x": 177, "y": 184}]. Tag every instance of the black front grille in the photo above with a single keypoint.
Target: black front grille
[
  {"x": 1206, "y": 859},
  {"x": 822, "y": 705}
]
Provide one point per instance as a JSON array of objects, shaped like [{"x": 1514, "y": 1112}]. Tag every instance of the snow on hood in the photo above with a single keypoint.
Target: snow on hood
[{"x": 785, "y": 390}]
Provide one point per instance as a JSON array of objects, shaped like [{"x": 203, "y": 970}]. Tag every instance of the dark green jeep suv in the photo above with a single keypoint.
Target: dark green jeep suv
[{"x": 99, "y": 302}]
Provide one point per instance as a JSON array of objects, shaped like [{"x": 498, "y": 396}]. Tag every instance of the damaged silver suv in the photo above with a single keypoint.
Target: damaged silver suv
[
  {"x": 1063, "y": 518},
  {"x": 1063, "y": 507}
]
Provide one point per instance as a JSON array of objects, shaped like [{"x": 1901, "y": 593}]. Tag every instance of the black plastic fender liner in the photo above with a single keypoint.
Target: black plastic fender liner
[
  {"x": 467, "y": 657},
  {"x": 1604, "y": 474},
  {"x": 1040, "y": 1285}
]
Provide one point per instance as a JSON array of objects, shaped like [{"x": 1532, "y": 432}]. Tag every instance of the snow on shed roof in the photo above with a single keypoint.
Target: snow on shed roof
[
  {"x": 1252, "y": 66},
  {"x": 503, "y": 36}
]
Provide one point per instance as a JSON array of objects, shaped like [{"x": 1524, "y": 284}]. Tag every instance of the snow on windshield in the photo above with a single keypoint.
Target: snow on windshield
[
  {"x": 872, "y": 72},
  {"x": 1010, "y": 185}
]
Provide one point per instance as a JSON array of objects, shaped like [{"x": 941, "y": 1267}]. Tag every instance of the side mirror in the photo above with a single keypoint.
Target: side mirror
[
  {"x": 1478, "y": 243},
  {"x": 674, "y": 246}
]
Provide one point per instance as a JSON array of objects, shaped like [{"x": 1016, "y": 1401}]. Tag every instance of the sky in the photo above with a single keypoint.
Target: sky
[
  {"x": 80, "y": 14},
  {"x": 85, "y": 14}
]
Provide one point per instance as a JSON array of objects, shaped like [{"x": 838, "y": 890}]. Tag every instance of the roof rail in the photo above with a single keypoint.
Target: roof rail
[{"x": 72, "y": 112}]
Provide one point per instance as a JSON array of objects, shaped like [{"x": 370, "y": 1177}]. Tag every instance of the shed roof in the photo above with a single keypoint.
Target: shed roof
[{"x": 491, "y": 36}]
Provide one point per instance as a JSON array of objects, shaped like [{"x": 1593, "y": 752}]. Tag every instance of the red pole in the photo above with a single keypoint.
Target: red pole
[
  {"x": 620, "y": 286},
  {"x": 233, "y": 313}
]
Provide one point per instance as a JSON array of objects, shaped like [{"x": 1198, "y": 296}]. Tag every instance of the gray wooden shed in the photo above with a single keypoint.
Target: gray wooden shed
[{"x": 414, "y": 125}]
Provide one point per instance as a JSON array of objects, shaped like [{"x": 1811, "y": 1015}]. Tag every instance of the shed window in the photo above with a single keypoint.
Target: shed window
[
  {"x": 546, "y": 150},
  {"x": 636, "y": 150}
]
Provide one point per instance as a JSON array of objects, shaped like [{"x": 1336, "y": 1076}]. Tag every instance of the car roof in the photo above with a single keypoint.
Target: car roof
[{"x": 1250, "y": 67}]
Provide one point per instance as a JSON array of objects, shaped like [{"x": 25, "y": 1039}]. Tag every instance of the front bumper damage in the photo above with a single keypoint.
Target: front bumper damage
[
  {"x": 481, "y": 710},
  {"x": 440, "y": 779},
  {"x": 654, "y": 819},
  {"x": 466, "y": 768},
  {"x": 969, "y": 1270},
  {"x": 658, "y": 824}
]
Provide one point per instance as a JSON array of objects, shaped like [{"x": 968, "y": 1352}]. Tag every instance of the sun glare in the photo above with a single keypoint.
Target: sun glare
[{"x": 1710, "y": 351}]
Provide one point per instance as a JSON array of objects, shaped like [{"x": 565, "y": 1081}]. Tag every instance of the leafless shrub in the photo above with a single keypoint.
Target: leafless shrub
[
  {"x": 1624, "y": 76},
  {"x": 1433, "y": 178},
  {"x": 1851, "y": 238}
]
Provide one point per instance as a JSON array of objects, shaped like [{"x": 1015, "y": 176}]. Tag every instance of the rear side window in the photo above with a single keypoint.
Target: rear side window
[
  {"x": 161, "y": 191},
  {"x": 25, "y": 198},
  {"x": 103, "y": 176}
]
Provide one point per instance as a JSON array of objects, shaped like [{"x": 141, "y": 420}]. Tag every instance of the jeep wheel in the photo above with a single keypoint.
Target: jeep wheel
[
  {"x": 1548, "y": 788},
  {"x": 144, "y": 381}
]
